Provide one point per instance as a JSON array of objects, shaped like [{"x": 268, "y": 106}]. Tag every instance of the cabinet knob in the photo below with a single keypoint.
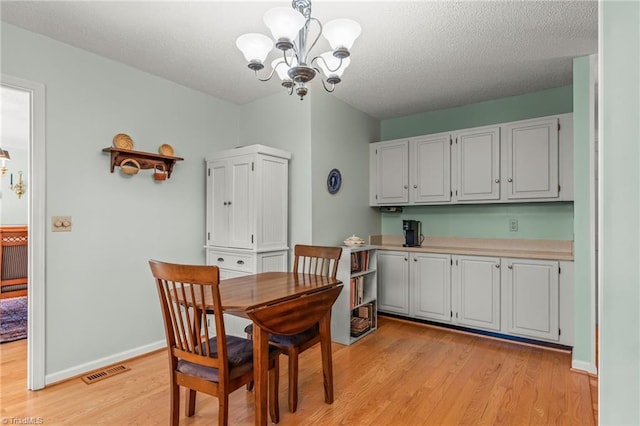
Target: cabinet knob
[
  {"x": 415, "y": 260},
  {"x": 221, "y": 259},
  {"x": 509, "y": 180},
  {"x": 225, "y": 203},
  {"x": 240, "y": 262},
  {"x": 405, "y": 259},
  {"x": 406, "y": 187},
  {"x": 497, "y": 180},
  {"x": 497, "y": 265},
  {"x": 510, "y": 266},
  {"x": 229, "y": 203},
  {"x": 415, "y": 186}
]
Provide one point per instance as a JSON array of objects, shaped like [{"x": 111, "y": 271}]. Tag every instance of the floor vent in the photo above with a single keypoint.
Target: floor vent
[{"x": 98, "y": 375}]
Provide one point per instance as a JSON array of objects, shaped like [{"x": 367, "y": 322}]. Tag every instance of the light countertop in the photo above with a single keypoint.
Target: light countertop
[{"x": 519, "y": 248}]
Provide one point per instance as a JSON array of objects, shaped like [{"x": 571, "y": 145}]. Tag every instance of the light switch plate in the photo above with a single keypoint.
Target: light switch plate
[{"x": 60, "y": 223}]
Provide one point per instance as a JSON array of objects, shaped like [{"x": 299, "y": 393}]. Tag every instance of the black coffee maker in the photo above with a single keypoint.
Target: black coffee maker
[{"x": 412, "y": 230}]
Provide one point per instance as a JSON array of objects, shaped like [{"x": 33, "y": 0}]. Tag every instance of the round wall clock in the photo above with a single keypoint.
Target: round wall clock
[{"x": 334, "y": 180}]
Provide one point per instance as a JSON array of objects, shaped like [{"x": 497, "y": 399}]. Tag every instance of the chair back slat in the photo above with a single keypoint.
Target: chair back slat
[
  {"x": 187, "y": 294},
  {"x": 317, "y": 260}
]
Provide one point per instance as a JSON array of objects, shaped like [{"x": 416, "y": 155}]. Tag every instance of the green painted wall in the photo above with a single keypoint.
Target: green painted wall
[
  {"x": 340, "y": 137},
  {"x": 535, "y": 220},
  {"x": 263, "y": 124},
  {"x": 620, "y": 246},
  {"x": 584, "y": 304},
  {"x": 548, "y": 221},
  {"x": 322, "y": 133},
  {"x": 530, "y": 105}
]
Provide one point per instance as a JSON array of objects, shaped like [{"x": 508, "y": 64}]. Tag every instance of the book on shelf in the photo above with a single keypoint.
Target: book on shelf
[
  {"x": 356, "y": 291},
  {"x": 363, "y": 319},
  {"x": 359, "y": 261}
]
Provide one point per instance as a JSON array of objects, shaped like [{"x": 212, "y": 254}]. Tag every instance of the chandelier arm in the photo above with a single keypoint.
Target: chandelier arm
[
  {"x": 320, "y": 58},
  {"x": 286, "y": 61},
  {"x": 268, "y": 78},
  {"x": 317, "y": 37},
  {"x": 324, "y": 84}
]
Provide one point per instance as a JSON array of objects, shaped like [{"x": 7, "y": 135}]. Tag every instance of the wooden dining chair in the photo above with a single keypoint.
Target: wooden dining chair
[
  {"x": 201, "y": 363},
  {"x": 316, "y": 260}
]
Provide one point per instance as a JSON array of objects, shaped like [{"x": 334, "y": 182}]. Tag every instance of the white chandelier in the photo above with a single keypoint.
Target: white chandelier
[{"x": 290, "y": 30}]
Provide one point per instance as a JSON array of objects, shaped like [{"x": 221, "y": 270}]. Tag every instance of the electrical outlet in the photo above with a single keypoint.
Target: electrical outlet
[{"x": 513, "y": 225}]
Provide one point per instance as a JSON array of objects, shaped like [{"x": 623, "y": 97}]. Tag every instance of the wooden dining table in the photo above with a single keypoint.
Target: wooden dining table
[{"x": 281, "y": 303}]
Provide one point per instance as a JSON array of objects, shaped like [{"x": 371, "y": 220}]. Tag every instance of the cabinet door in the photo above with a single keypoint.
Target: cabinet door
[
  {"x": 430, "y": 169},
  {"x": 392, "y": 172},
  {"x": 478, "y": 283},
  {"x": 478, "y": 164},
  {"x": 393, "y": 282},
  {"x": 240, "y": 203},
  {"x": 431, "y": 286},
  {"x": 532, "y": 295},
  {"x": 217, "y": 203},
  {"x": 532, "y": 159},
  {"x": 271, "y": 205}
]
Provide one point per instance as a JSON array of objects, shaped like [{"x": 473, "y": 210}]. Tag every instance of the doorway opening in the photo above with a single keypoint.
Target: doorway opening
[{"x": 33, "y": 196}]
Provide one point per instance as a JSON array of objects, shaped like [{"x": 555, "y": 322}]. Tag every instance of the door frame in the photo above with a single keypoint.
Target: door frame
[{"x": 37, "y": 227}]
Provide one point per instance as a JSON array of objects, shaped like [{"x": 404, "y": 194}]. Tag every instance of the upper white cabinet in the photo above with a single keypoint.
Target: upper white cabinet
[
  {"x": 389, "y": 168},
  {"x": 429, "y": 169},
  {"x": 529, "y": 160},
  {"x": 231, "y": 202},
  {"x": 532, "y": 159},
  {"x": 247, "y": 199},
  {"x": 477, "y": 153}
]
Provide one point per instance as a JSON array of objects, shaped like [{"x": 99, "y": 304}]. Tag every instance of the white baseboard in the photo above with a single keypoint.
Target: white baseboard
[
  {"x": 584, "y": 366},
  {"x": 103, "y": 362}
]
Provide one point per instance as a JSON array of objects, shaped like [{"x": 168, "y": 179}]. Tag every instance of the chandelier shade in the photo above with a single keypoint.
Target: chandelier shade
[
  {"x": 341, "y": 33},
  {"x": 255, "y": 48},
  {"x": 331, "y": 66},
  {"x": 295, "y": 36},
  {"x": 284, "y": 24}
]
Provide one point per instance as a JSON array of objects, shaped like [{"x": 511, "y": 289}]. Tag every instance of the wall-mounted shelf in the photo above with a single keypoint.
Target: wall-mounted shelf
[{"x": 147, "y": 160}]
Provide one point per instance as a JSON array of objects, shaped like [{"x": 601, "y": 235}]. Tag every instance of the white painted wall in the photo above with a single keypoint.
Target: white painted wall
[{"x": 100, "y": 298}]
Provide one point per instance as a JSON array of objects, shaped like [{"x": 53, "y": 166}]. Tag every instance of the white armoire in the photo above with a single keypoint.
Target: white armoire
[{"x": 247, "y": 213}]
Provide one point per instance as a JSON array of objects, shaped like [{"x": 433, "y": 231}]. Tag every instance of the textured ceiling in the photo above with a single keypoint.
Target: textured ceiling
[{"x": 412, "y": 56}]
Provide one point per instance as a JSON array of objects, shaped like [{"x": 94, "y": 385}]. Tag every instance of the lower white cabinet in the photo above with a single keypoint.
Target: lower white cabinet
[
  {"x": 393, "y": 273},
  {"x": 235, "y": 263},
  {"x": 431, "y": 286},
  {"x": 477, "y": 280},
  {"x": 512, "y": 296},
  {"x": 532, "y": 298}
]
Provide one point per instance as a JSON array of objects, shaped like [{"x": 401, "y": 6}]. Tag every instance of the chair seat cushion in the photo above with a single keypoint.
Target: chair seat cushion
[
  {"x": 292, "y": 340},
  {"x": 239, "y": 354}
]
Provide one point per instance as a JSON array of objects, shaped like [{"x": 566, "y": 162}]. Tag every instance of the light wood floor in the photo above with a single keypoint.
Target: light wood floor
[{"x": 403, "y": 374}]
